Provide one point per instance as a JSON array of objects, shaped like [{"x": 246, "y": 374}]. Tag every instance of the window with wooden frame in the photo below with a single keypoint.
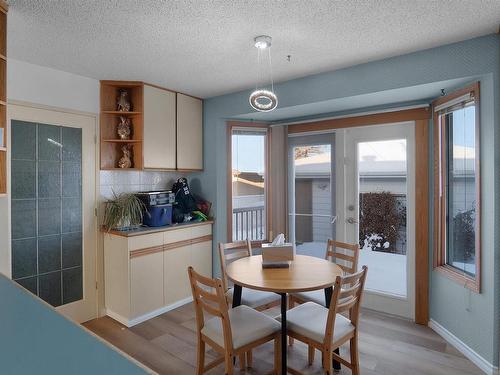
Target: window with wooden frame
[
  {"x": 248, "y": 166},
  {"x": 457, "y": 234}
]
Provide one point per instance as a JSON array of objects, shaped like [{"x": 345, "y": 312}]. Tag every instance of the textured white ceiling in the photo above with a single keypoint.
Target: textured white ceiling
[{"x": 204, "y": 47}]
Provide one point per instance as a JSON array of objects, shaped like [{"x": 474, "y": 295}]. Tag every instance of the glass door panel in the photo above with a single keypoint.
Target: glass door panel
[
  {"x": 379, "y": 201},
  {"x": 312, "y": 220},
  {"x": 382, "y": 176},
  {"x": 46, "y": 210}
]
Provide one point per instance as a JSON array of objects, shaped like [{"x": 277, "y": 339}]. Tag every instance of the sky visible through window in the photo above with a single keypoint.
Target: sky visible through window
[
  {"x": 248, "y": 153},
  {"x": 463, "y": 132}
]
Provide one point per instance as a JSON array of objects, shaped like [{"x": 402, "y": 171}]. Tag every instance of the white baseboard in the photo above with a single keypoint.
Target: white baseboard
[
  {"x": 463, "y": 348},
  {"x": 117, "y": 317},
  {"x": 132, "y": 322}
]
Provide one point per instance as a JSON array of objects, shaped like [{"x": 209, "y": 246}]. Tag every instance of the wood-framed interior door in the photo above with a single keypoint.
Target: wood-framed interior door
[
  {"x": 379, "y": 211},
  {"x": 76, "y": 131}
]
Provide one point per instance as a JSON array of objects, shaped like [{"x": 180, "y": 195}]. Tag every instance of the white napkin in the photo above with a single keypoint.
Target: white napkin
[{"x": 279, "y": 240}]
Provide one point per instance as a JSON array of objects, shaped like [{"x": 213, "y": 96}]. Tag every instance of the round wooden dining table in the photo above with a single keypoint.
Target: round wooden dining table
[{"x": 305, "y": 273}]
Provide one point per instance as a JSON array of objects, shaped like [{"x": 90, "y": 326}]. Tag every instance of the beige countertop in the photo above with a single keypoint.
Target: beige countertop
[{"x": 148, "y": 230}]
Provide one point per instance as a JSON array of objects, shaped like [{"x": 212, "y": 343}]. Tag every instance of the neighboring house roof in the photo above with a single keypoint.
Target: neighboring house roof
[
  {"x": 247, "y": 182},
  {"x": 390, "y": 163}
]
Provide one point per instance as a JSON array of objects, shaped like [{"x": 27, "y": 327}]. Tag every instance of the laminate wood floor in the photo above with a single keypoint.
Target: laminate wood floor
[{"x": 388, "y": 346}]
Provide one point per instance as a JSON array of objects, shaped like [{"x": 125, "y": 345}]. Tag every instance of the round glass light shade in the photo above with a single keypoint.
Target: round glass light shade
[{"x": 263, "y": 100}]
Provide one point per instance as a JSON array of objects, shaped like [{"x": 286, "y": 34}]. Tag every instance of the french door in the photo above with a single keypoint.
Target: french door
[
  {"x": 357, "y": 185},
  {"x": 53, "y": 222},
  {"x": 377, "y": 200}
]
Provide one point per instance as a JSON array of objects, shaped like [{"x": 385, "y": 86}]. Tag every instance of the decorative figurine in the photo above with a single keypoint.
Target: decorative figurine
[
  {"x": 123, "y": 128},
  {"x": 125, "y": 161},
  {"x": 123, "y": 103}
]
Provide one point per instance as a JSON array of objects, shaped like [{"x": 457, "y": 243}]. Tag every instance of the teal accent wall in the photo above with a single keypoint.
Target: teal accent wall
[
  {"x": 34, "y": 339},
  {"x": 473, "y": 318}
]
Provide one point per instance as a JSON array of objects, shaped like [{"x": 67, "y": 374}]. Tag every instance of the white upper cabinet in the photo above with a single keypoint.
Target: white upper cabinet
[
  {"x": 189, "y": 133},
  {"x": 159, "y": 147}
]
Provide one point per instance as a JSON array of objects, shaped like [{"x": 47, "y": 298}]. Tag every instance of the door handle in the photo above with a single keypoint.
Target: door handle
[{"x": 351, "y": 220}]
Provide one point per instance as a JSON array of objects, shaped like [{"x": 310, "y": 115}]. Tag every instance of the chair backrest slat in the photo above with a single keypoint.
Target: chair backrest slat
[
  {"x": 348, "y": 253},
  {"x": 351, "y": 291},
  {"x": 229, "y": 252},
  {"x": 347, "y": 294},
  {"x": 205, "y": 294},
  {"x": 236, "y": 255},
  {"x": 210, "y": 309},
  {"x": 347, "y": 305},
  {"x": 209, "y": 296}
]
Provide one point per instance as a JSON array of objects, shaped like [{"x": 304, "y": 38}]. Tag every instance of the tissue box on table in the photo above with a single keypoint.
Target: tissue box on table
[{"x": 277, "y": 256}]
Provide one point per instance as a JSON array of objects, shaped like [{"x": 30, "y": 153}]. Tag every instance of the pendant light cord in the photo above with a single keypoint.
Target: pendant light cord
[
  {"x": 271, "y": 70},
  {"x": 261, "y": 69}
]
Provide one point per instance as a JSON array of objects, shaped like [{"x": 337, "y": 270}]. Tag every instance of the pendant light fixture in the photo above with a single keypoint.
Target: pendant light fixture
[{"x": 263, "y": 99}]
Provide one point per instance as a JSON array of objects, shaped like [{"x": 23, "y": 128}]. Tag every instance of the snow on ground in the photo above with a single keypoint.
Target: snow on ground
[{"x": 386, "y": 272}]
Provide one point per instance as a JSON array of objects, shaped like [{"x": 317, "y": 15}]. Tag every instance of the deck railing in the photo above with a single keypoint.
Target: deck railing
[{"x": 249, "y": 222}]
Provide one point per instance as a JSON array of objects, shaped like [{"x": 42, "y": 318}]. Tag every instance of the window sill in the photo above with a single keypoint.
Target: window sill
[{"x": 459, "y": 277}]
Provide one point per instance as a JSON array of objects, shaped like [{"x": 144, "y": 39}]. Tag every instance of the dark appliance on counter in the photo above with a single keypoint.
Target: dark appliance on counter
[
  {"x": 184, "y": 200},
  {"x": 158, "y": 207}
]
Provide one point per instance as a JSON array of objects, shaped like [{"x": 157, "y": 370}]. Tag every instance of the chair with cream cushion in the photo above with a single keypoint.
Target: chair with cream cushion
[
  {"x": 344, "y": 255},
  {"x": 326, "y": 329},
  {"x": 230, "y": 332},
  {"x": 259, "y": 300},
  {"x": 346, "y": 258},
  {"x": 256, "y": 299}
]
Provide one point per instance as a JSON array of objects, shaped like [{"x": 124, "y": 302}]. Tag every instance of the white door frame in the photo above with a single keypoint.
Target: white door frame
[
  {"x": 346, "y": 156},
  {"x": 87, "y": 308}
]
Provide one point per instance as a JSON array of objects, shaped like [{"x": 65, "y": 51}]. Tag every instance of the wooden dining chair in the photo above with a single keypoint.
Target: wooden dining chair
[
  {"x": 256, "y": 299},
  {"x": 348, "y": 256},
  {"x": 230, "y": 332},
  {"x": 345, "y": 255},
  {"x": 326, "y": 329}
]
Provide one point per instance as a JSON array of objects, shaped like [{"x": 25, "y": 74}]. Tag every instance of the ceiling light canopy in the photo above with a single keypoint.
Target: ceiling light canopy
[
  {"x": 263, "y": 99},
  {"x": 263, "y": 42}
]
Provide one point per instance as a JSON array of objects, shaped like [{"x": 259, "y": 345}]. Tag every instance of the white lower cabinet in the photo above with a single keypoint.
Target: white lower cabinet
[
  {"x": 176, "y": 262},
  {"x": 201, "y": 258},
  {"x": 146, "y": 284},
  {"x": 146, "y": 274}
]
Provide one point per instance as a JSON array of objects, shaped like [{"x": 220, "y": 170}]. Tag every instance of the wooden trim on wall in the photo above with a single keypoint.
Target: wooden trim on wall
[
  {"x": 3, "y": 6},
  {"x": 422, "y": 222},
  {"x": 229, "y": 173},
  {"x": 146, "y": 251},
  {"x": 169, "y": 246},
  {"x": 364, "y": 120},
  {"x": 440, "y": 195}
]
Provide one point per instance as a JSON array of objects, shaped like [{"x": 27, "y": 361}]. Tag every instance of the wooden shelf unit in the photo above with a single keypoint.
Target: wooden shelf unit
[
  {"x": 110, "y": 143},
  {"x": 3, "y": 97}
]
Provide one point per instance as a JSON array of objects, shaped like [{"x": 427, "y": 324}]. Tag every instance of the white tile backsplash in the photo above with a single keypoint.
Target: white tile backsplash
[{"x": 133, "y": 181}]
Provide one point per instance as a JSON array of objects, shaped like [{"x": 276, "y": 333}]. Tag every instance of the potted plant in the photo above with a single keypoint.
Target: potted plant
[{"x": 123, "y": 212}]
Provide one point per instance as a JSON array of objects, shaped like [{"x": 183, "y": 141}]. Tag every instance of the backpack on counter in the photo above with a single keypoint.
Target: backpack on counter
[{"x": 184, "y": 200}]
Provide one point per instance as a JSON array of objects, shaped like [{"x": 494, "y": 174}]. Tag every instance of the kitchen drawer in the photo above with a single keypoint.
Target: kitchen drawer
[
  {"x": 177, "y": 235},
  {"x": 145, "y": 241},
  {"x": 201, "y": 231}
]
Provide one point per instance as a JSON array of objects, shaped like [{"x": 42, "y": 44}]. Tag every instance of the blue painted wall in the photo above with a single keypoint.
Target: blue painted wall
[
  {"x": 471, "y": 317},
  {"x": 36, "y": 340}
]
